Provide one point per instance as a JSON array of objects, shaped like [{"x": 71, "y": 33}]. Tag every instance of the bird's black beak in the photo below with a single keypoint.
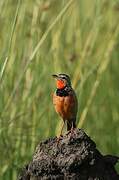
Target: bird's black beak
[{"x": 55, "y": 76}]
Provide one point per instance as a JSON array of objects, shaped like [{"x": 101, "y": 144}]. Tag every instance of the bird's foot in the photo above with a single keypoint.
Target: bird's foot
[
  {"x": 72, "y": 133},
  {"x": 58, "y": 139}
]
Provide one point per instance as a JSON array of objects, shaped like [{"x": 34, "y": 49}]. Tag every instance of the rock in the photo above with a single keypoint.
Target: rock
[{"x": 75, "y": 157}]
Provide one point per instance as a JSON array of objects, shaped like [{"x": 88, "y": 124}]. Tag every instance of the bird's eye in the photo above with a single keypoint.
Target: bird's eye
[{"x": 63, "y": 77}]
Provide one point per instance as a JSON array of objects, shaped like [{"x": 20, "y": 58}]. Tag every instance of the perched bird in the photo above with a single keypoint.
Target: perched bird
[{"x": 65, "y": 101}]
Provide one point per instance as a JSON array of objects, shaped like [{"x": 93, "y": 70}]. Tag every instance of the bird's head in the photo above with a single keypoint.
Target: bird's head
[{"x": 62, "y": 80}]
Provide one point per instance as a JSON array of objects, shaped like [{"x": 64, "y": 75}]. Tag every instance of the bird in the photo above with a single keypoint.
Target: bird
[{"x": 65, "y": 101}]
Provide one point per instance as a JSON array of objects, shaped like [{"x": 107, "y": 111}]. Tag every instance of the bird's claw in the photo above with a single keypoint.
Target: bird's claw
[
  {"x": 58, "y": 139},
  {"x": 72, "y": 133}
]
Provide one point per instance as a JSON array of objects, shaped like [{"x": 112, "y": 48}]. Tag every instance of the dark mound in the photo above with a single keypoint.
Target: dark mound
[{"x": 74, "y": 158}]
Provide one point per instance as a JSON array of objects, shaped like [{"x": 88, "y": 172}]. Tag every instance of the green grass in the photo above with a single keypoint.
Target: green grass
[{"x": 39, "y": 38}]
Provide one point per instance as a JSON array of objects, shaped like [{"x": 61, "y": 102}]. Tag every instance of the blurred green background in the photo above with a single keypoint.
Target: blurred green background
[{"x": 42, "y": 37}]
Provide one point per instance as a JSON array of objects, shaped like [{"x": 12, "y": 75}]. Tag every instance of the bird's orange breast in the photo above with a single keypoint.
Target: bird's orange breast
[{"x": 66, "y": 106}]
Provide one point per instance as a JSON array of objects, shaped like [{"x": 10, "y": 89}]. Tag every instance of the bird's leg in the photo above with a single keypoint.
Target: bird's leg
[
  {"x": 72, "y": 129},
  {"x": 60, "y": 136},
  {"x": 72, "y": 132}
]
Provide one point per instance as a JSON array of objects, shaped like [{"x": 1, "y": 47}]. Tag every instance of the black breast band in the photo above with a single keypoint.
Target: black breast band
[{"x": 62, "y": 92}]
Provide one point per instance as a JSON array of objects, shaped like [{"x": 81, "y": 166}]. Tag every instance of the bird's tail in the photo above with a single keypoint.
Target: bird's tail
[{"x": 71, "y": 124}]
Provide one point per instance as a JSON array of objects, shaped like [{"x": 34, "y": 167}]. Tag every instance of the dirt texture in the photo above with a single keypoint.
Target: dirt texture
[{"x": 74, "y": 157}]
